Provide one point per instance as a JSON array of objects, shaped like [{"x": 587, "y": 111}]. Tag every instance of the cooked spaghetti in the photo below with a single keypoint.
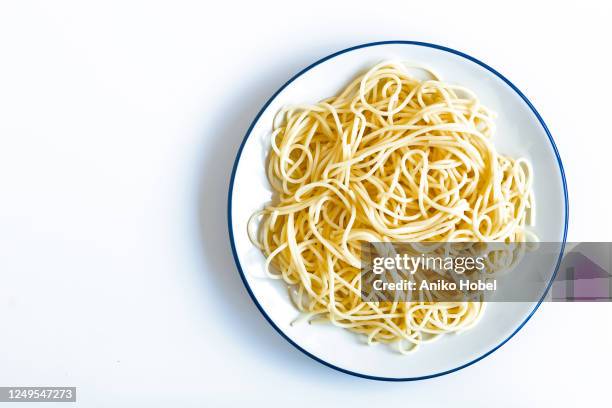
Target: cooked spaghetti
[{"x": 391, "y": 158}]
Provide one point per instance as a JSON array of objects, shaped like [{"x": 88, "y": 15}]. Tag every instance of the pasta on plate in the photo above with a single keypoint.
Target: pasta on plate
[{"x": 391, "y": 158}]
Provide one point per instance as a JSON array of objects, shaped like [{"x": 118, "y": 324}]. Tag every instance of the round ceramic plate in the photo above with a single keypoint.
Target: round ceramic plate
[{"x": 520, "y": 132}]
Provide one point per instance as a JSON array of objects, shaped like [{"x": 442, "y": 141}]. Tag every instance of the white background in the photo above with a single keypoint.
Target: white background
[{"x": 119, "y": 123}]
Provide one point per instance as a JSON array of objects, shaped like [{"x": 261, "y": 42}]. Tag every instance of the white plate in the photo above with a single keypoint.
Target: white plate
[{"x": 520, "y": 132}]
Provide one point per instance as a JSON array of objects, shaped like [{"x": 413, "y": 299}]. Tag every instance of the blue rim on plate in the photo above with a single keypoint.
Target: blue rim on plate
[{"x": 248, "y": 133}]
